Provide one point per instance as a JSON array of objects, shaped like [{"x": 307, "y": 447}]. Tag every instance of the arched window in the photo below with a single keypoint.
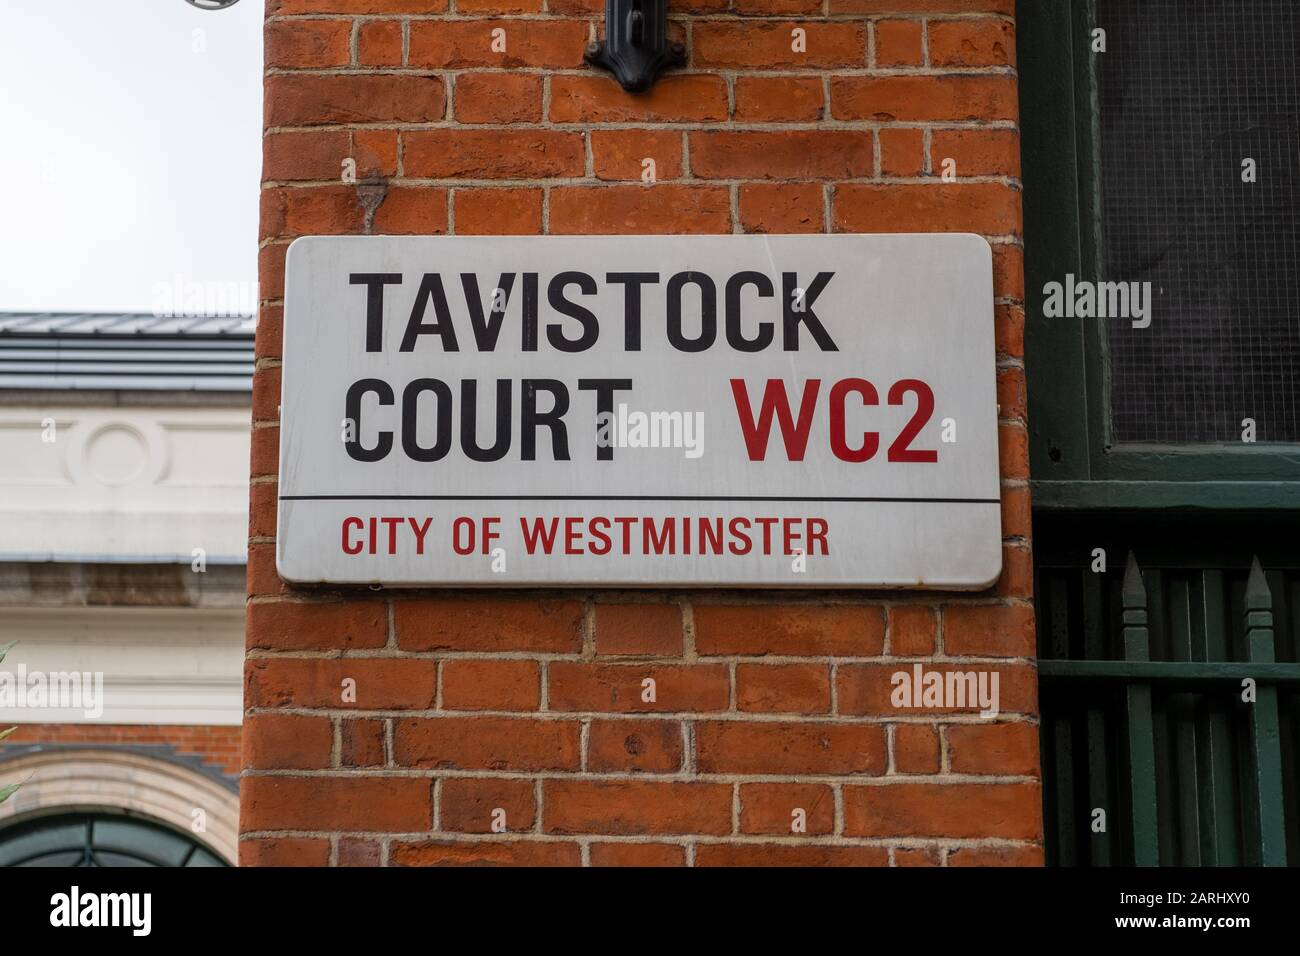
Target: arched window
[
  {"x": 99, "y": 839},
  {"x": 109, "y": 807}
]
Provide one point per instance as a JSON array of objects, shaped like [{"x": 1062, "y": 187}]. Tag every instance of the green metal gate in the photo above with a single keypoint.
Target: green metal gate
[{"x": 1151, "y": 756}]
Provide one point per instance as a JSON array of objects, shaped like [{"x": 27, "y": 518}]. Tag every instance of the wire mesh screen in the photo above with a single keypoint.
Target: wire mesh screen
[{"x": 1189, "y": 90}]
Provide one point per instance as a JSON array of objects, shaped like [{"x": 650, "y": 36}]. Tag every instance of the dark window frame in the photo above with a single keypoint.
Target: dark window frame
[{"x": 1073, "y": 461}]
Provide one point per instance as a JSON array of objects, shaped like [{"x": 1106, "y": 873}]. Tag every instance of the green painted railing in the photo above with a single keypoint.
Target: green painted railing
[{"x": 1169, "y": 724}]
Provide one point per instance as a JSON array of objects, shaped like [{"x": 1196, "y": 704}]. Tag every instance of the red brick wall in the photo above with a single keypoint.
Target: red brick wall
[
  {"x": 216, "y": 745},
  {"x": 529, "y": 701}
]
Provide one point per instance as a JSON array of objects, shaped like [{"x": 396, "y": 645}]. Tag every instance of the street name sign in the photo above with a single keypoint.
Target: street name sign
[{"x": 774, "y": 411}]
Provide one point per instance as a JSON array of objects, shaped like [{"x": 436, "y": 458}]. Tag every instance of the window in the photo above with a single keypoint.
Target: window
[
  {"x": 99, "y": 839},
  {"x": 1137, "y": 121},
  {"x": 1164, "y": 149}
]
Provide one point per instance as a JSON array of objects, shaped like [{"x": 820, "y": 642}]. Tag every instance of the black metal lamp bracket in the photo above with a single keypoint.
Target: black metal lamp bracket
[{"x": 636, "y": 48}]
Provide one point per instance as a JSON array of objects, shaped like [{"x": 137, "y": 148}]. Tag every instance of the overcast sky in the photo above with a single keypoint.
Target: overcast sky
[{"x": 131, "y": 150}]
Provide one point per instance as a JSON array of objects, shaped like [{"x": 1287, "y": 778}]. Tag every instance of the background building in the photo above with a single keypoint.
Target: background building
[{"x": 123, "y": 511}]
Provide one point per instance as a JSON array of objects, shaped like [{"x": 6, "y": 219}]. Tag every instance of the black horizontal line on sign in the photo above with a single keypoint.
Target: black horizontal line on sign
[{"x": 944, "y": 501}]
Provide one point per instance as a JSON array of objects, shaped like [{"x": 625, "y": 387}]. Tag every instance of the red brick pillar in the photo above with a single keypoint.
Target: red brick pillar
[{"x": 792, "y": 116}]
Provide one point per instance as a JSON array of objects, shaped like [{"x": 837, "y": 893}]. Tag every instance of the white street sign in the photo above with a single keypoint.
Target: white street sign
[{"x": 802, "y": 411}]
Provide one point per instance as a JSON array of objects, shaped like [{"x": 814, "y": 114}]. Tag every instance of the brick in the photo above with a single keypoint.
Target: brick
[
  {"x": 769, "y": 808},
  {"x": 841, "y": 631},
  {"x": 680, "y": 98},
  {"x": 916, "y": 857},
  {"x": 357, "y": 852},
  {"x": 867, "y": 689},
  {"x": 487, "y": 853},
  {"x": 637, "y": 854},
  {"x": 1009, "y": 273},
  {"x": 1008, "y": 320},
  {"x": 651, "y": 746},
  {"x": 801, "y": 154},
  {"x": 379, "y": 43},
  {"x": 1013, "y": 450},
  {"x": 981, "y": 631},
  {"x": 287, "y": 626},
  {"x": 486, "y": 743},
  {"x": 387, "y": 7},
  {"x": 977, "y": 152},
  {"x": 320, "y": 154},
  {"x": 789, "y": 747},
  {"x": 491, "y": 685},
  {"x": 288, "y": 742},
  {"x": 996, "y": 856},
  {"x": 498, "y": 98},
  {"x": 378, "y": 804},
  {"x": 361, "y": 743},
  {"x": 784, "y": 854},
  {"x": 662, "y": 209},
  {"x": 913, "y": 99},
  {"x": 630, "y": 807},
  {"x": 972, "y": 42},
  {"x": 916, "y": 748},
  {"x": 499, "y": 6},
  {"x": 381, "y": 683},
  {"x": 270, "y": 330},
  {"x": 768, "y": 45},
  {"x": 620, "y": 154},
  {"x": 1012, "y": 398},
  {"x": 467, "y": 805},
  {"x": 1017, "y": 578},
  {"x": 467, "y": 44},
  {"x": 290, "y": 44},
  {"x": 492, "y": 154},
  {"x": 270, "y": 270},
  {"x": 266, "y": 395},
  {"x": 985, "y": 208},
  {"x": 783, "y": 688},
  {"x": 779, "y": 99},
  {"x": 576, "y": 8},
  {"x": 498, "y": 212},
  {"x": 264, "y": 442},
  {"x": 1017, "y": 516},
  {"x": 957, "y": 811},
  {"x": 911, "y": 7},
  {"x": 263, "y": 502},
  {"x": 912, "y": 630},
  {"x": 317, "y": 100},
  {"x": 765, "y": 8},
  {"x": 311, "y": 210},
  {"x": 999, "y": 749},
  {"x": 411, "y": 211},
  {"x": 642, "y": 630},
  {"x": 778, "y": 208},
  {"x": 261, "y": 576},
  {"x": 898, "y": 43},
  {"x": 284, "y": 851},
  {"x": 488, "y": 624},
  {"x": 902, "y": 152},
  {"x": 619, "y": 687}
]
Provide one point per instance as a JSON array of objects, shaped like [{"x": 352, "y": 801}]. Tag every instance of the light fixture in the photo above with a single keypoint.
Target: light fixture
[{"x": 636, "y": 48}]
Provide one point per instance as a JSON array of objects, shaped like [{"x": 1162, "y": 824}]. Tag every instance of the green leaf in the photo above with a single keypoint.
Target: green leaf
[
  {"x": 6, "y": 733},
  {"x": 7, "y": 792},
  {"x": 6, "y": 648}
]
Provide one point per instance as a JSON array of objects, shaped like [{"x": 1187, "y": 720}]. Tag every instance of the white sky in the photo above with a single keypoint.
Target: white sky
[{"x": 129, "y": 159}]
